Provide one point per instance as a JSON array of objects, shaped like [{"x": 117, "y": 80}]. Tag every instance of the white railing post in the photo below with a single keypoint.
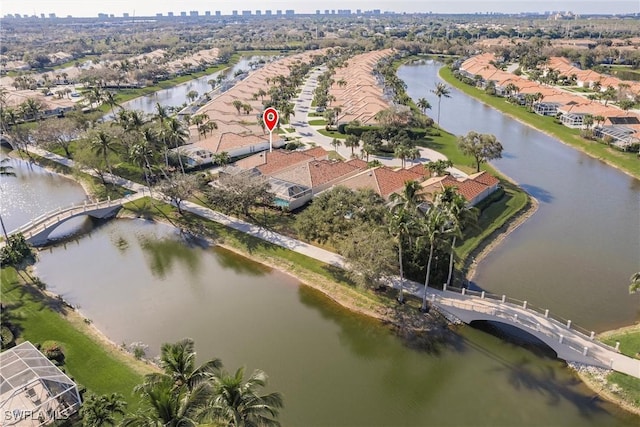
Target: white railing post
[
  {"x": 444, "y": 287},
  {"x": 504, "y": 298},
  {"x": 585, "y": 350},
  {"x": 482, "y": 295},
  {"x": 546, "y": 313},
  {"x": 524, "y": 305},
  {"x": 561, "y": 338},
  {"x": 463, "y": 291},
  {"x": 618, "y": 346},
  {"x": 433, "y": 297},
  {"x": 593, "y": 334},
  {"x": 515, "y": 318},
  {"x": 568, "y": 324},
  {"x": 611, "y": 363}
]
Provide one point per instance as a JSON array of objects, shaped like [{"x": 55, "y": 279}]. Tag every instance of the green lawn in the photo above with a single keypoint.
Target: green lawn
[
  {"x": 493, "y": 217},
  {"x": 98, "y": 367},
  {"x": 319, "y": 122},
  {"x": 332, "y": 134},
  {"x": 629, "y": 341},
  {"x": 628, "y": 162}
]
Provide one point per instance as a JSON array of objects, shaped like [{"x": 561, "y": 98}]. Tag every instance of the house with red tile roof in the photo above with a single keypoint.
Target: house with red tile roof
[
  {"x": 382, "y": 180},
  {"x": 474, "y": 188},
  {"x": 320, "y": 175}
]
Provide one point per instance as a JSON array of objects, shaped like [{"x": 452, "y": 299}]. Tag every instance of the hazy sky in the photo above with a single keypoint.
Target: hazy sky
[{"x": 151, "y": 7}]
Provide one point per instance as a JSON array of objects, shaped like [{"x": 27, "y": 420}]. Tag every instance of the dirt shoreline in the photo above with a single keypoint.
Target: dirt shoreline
[{"x": 497, "y": 237}]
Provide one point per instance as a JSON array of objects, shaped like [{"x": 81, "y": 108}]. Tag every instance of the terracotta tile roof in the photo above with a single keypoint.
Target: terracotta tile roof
[
  {"x": 270, "y": 163},
  {"x": 317, "y": 172},
  {"x": 360, "y": 164},
  {"x": 383, "y": 180},
  {"x": 485, "y": 178}
]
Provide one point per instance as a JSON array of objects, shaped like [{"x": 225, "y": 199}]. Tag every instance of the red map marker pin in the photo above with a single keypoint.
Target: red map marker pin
[{"x": 270, "y": 118}]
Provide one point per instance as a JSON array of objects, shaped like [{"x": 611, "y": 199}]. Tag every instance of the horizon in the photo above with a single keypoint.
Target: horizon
[{"x": 146, "y": 8}]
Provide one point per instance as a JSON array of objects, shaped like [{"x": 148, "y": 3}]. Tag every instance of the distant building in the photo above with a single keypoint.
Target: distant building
[
  {"x": 359, "y": 11},
  {"x": 125, "y": 15},
  {"x": 52, "y": 15},
  {"x": 317, "y": 11},
  {"x": 326, "y": 11},
  {"x": 207, "y": 13},
  {"x": 258, "y": 12},
  {"x": 278, "y": 12},
  {"x": 218, "y": 13},
  {"x": 246, "y": 13},
  {"x": 234, "y": 13},
  {"x": 193, "y": 13},
  {"x": 183, "y": 13},
  {"x": 159, "y": 14},
  {"x": 267, "y": 12},
  {"x": 170, "y": 14},
  {"x": 42, "y": 15},
  {"x": 289, "y": 12}
]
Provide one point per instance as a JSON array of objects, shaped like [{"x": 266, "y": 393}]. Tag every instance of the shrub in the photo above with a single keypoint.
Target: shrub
[
  {"x": 53, "y": 351},
  {"x": 16, "y": 251},
  {"x": 6, "y": 337}
]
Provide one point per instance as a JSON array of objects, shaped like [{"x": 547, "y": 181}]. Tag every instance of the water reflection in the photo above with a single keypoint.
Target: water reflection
[{"x": 162, "y": 255}]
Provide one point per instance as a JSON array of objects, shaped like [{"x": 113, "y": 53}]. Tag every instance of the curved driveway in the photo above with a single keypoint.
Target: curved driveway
[{"x": 310, "y": 134}]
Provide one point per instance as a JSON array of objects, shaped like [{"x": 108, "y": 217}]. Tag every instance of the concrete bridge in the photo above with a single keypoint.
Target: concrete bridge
[
  {"x": 570, "y": 342},
  {"x": 37, "y": 231}
]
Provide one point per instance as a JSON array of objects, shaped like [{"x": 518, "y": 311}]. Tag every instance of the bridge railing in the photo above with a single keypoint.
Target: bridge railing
[
  {"x": 557, "y": 320},
  {"x": 56, "y": 215},
  {"x": 527, "y": 323}
]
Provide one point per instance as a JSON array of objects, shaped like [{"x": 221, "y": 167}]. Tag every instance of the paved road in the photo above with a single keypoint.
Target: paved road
[{"x": 309, "y": 134}]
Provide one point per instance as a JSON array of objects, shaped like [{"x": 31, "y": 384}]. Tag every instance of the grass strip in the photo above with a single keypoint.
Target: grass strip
[{"x": 91, "y": 361}]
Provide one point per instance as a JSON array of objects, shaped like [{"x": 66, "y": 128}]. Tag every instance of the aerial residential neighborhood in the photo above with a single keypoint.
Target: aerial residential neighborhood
[{"x": 331, "y": 214}]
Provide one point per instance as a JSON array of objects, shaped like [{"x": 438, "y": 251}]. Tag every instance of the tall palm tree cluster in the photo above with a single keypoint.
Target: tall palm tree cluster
[
  {"x": 335, "y": 58},
  {"x": 185, "y": 394},
  {"x": 142, "y": 141},
  {"x": 385, "y": 69},
  {"x": 422, "y": 228}
]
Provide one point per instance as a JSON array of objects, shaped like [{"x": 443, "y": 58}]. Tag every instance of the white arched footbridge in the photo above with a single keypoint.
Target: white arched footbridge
[
  {"x": 37, "y": 231},
  {"x": 570, "y": 342}
]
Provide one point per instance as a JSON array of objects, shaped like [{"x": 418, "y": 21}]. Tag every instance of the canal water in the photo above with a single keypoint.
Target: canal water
[
  {"x": 576, "y": 254},
  {"x": 141, "y": 281},
  {"x": 177, "y": 95}
]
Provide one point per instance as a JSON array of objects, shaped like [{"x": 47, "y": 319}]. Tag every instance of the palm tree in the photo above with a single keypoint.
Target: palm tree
[
  {"x": 237, "y": 403},
  {"x": 335, "y": 143},
  {"x": 431, "y": 226},
  {"x": 402, "y": 152},
  {"x": 462, "y": 216},
  {"x": 140, "y": 153},
  {"x": 176, "y": 135},
  {"x": 423, "y": 105},
  {"x": 237, "y": 104},
  {"x": 402, "y": 208},
  {"x": 102, "y": 144},
  {"x": 99, "y": 411},
  {"x": 587, "y": 120},
  {"x": 192, "y": 95},
  {"x": 178, "y": 361},
  {"x": 162, "y": 404},
  {"x": 635, "y": 283},
  {"x": 352, "y": 142},
  {"x": 110, "y": 98},
  {"x": 438, "y": 167},
  {"x": 440, "y": 91}
]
